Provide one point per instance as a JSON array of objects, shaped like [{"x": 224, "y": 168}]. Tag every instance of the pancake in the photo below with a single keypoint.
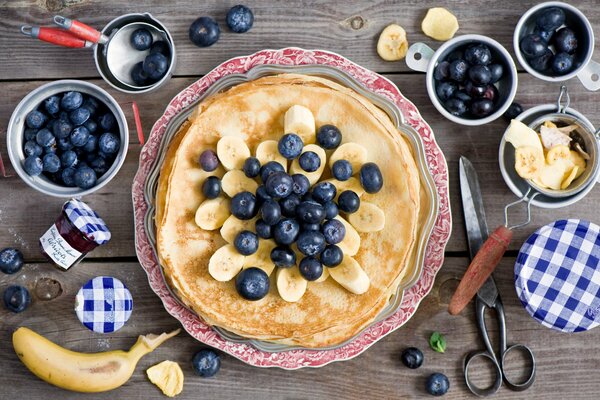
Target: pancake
[{"x": 327, "y": 314}]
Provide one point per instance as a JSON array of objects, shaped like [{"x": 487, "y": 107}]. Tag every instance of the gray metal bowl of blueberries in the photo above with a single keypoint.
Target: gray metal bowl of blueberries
[
  {"x": 554, "y": 41},
  {"x": 471, "y": 79},
  {"x": 67, "y": 138}
]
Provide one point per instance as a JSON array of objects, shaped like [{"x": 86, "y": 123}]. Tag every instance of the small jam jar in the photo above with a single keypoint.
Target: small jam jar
[{"x": 77, "y": 231}]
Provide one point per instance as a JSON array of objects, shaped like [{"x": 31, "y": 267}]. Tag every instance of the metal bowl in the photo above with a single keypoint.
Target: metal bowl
[
  {"x": 421, "y": 57},
  {"x": 15, "y": 133}
]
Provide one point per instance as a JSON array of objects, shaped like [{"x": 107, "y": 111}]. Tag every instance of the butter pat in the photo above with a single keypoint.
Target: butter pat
[{"x": 168, "y": 376}]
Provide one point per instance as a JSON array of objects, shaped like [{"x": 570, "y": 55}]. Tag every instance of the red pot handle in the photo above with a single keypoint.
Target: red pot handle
[
  {"x": 80, "y": 29},
  {"x": 55, "y": 36},
  {"x": 481, "y": 267}
]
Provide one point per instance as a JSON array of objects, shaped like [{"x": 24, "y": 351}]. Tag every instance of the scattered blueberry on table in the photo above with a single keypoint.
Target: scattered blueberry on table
[
  {"x": 16, "y": 298},
  {"x": 11, "y": 260},
  {"x": 204, "y": 32},
  {"x": 206, "y": 363},
  {"x": 412, "y": 357},
  {"x": 240, "y": 19},
  {"x": 437, "y": 384}
]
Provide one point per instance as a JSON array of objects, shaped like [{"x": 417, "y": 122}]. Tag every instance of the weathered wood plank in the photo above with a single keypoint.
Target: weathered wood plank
[
  {"x": 377, "y": 373},
  {"x": 309, "y": 24}
]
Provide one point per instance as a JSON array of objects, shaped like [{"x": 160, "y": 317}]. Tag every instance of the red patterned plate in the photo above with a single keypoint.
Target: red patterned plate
[{"x": 295, "y": 358}]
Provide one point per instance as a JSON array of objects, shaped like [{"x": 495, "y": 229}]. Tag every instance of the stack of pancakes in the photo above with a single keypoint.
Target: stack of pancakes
[{"x": 327, "y": 314}]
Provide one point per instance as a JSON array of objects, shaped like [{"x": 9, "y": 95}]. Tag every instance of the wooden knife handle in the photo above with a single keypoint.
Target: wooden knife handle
[{"x": 481, "y": 267}]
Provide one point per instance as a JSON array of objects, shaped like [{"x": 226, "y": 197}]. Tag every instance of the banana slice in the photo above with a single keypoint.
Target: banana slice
[
  {"x": 225, "y": 263},
  {"x": 262, "y": 258},
  {"x": 351, "y": 242},
  {"x": 578, "y": 161},
  {"x": 232, "y": 226},
  {"x": 368, "y": 218},
  {"x": 559, "y": 152},
  {"x": 439, "y": 24},
  {"x": 268, "y": 151},
  {"x": 313, "y": 177},
  {"x": 290, "y": 284},
  {"x": 300, "y": 120},
  {"x": 392, "y": 44},
  {"x": 350, "y": 184},
  {"x": 236, "y": 181},
  {"x": 212, "y": 213},
  {"x": 529, "y": 161},
  {"x": 351, "y": 276},
  {"x": 323, "y": 276},
  {"x": 569, "y": 178},
  {"x": 519, "y": 135},
  {"x": 351, "y": 152},
  {"x": 552, "y": 176},
  {"x": 232, "y": 152},
  {"x": 168, "y": 376}
]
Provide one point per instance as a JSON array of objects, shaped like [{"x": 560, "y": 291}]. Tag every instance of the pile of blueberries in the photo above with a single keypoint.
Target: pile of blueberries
[
  {"x": 547, "y": 35},
  {"x": 205, "y": 31},
  {"x": 464, "y": 81},
  {"x": 156, "y": 63},
  {"x": 69, "y": 138},
  {"x": 291, "y": 211}
]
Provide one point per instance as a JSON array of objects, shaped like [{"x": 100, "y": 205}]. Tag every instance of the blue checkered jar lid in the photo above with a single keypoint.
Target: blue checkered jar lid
[
  {"x": 87, "y": 221},
  {"x": 557, "y": 275},
  {"x": 103, "y": 304}
]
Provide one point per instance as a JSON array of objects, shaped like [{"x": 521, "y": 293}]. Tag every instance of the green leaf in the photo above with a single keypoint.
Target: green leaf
[{"x": 437, "y": 342}]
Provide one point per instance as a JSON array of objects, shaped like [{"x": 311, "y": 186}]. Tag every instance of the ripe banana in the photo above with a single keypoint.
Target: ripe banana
[
  {"x": 290, "y": 284},
  {"x": 351, "y": 276},
  {"x": 350, "y": 184},
  {"x": 300, "y": 120},
  {"x": 351, "y": 242},
  {"x": 225, "y": 263},
  {"x": 352, "y": 152},
  {"x": 168, "y": 376},
  {"x": 313, "y": 177},
  {"x": 262, "y": 258},
  {"x": 232, "y": 152},
  {"x": 323, "y": 276},
  {"x": 529, "y": 161},
  {"x": 392, "y": 44},
  {"x": 236, "y": 181},
  {"x": 212, "y": 213},
  {"x": 520, "y": 135},
  {"x": 81, "y": 372},
  {"x": 232, "y": 226},
  {"x": 368, "y": 218},
  {"x": 268, "y": 151}
]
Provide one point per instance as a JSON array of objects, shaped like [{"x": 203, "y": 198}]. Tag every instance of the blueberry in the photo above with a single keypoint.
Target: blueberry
[
  {"x": 64, "y": 144},
  {"x": 310, "y": 227},
  {"x": 562, "y": 63},
  {"x": 62, "y": 129},
  {"x": 99, "y": 165},
  {"x": 412, "y": 357},
  {"x": 437, "y": 384},
  {"x": 550, "y": 19},
  {"x": 30, "y": 134},
  {"x": 309, "y": 161},
  {"x": 16, "y": 298},
  {"x": 107, "y": 143},
  {"x": 63, "y": 116},
  {"x": 348, "y": 201},
  {"x": 269, "y": 169},
  {"x": 85, "y": 177},
  {"x": 286, "y": 231},
  {"x": 35, "y": 119},
  {"x": 33, "y": 165},
  {"x": 283, "y": 257},
  {"x": 301, "y": 184},
  {"x": 545, "y": 35},
  {"x": 161, "y": 47},
  {"x": 49, "y": 149},
  {"x": 456, "y": 54},
  {"x": 261, "y": 195},
  {"x": 480, "y": 74},
  {"x": 45, "y": 138},
  {"x": 71, "y": 101},
  {"x": 311, "y": 212},
  {"x": 478, "y": 54},
  {"x": 68, "y": 159},
  {"x": 473, "y": 90},
  {"x": 370, "y": 177},
  {"x": 482, "y": 107},
  {"x": 67, "y": 176},
  {"x": 209, "y": 160},
  {"x": 329, "y": 137},
  {"x": 289, "y": 205},
  {"x": 445, "y": 90},
  {"x": 52, "y": 105},
  {"x": 290, "y": 146},
  {"x": 307, "y": 197},
  {"x": 31, "y": 148},
  {"x": 252, "y": 283},
  {"x": 279, "y": 185},
  {"x": 91, "y": 104},
  {"x": 91, "y": 145},
  {"x": 332, "y": 256},
  {"x": 263, "y": 230},
  {"x": 80, "y": 136},
  {"x": 138, "y": 75},
  {"x": 206, "y": 363},
  {"x": 334, "y": 231},
  {"x": 331, "y": 210},
  {"x": 204, "y": 32},
  {"x": 107, "y": 121},
  {"x": 240, "y": 19},
  {"x": 513, "y": 111},
  {"x": 565, "y": 41},
  {"x": 243, "y": 205},
  {"x": 51, "y": 163},
  {"x": 251, "y": 167},
  {"x": 462, "y": 96},
  {"x": 323, "y": 192},
  {"x": 141, "y": 39},
  {"x": 11, "y": 260},
  {"x": 92, "y": 126},
  {"x": 79, "y": 115},
  {"x": 211, "y": 187},
  {"x": 497, "y": 71},
  {"x": 342, "y": 170},
  {"x": 542, "y": 63},
  {"x": 156, "y": 65},
  {"x": 310, "y": 243},
  {"x": 270, "y": 212},
  {"x": 311, "y": 268},
  {"x": 532, "y": 46},
  {"x": 491, "y": 93},
  {"x": 458, "y": 70},
  {"x": 246, "y": 243},
  {"x": 441, "y": 71}
]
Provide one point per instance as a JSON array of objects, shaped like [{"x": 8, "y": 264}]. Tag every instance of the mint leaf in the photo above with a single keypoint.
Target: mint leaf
[{"x": 437, "y": 342}]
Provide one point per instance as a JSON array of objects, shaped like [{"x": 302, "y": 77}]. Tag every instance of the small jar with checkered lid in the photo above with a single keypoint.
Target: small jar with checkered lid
[{"x": 77, "y": 231}]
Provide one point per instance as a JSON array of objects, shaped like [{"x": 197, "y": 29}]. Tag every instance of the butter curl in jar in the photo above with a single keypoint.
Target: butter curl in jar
[{"x": 77, "y": 231}]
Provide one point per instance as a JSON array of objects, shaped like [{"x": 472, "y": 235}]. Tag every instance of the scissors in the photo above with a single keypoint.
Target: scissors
[{"x": 488, "y": 296}]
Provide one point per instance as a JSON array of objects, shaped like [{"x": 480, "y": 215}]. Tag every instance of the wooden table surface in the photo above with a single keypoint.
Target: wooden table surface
[{"x": 568, "y": 365}]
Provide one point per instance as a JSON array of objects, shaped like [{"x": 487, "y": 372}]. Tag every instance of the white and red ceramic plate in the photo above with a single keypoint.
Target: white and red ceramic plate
[{"x": 295, "y": 358}]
